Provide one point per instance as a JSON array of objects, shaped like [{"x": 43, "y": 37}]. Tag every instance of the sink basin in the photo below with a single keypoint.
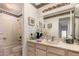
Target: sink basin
[{"x": 51, "y": 42}]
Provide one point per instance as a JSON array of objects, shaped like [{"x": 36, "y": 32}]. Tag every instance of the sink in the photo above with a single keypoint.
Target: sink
[{"x": 51, "y": 42}]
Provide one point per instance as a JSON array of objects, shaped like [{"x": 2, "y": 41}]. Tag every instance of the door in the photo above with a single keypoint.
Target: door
[{"x": 9, "y": 35}]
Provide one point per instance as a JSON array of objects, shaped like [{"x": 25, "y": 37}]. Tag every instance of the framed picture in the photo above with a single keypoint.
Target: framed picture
[
  {"x": 31, "y": 21},
  {"x": 49, "y": 26}
]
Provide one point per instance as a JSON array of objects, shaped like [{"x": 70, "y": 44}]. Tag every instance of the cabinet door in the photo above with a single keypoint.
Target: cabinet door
[
  {"x": 40, "y": 52},
  {"x": 71, "y": 53},
  {"x": 30, "y": 49}
]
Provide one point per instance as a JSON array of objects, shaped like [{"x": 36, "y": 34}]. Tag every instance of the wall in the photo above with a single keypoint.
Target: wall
[{"x": 30, "y": 11}]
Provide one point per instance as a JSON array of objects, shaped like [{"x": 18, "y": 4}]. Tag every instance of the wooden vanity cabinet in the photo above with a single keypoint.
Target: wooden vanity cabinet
[{"x": 37, "y": 49}]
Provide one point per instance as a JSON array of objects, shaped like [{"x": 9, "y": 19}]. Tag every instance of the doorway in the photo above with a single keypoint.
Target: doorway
[{"x": 64, "y": 24}]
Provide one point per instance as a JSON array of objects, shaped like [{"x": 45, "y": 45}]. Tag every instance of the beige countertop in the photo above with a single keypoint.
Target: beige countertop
[{"x": 72, "y": 47}]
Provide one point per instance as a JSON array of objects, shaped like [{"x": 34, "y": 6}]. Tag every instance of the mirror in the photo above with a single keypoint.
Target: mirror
[{"x": 62, "y": 25}]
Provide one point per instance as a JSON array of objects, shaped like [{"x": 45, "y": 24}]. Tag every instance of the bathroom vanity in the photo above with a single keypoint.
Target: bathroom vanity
[{"x": 51, "y": 49}]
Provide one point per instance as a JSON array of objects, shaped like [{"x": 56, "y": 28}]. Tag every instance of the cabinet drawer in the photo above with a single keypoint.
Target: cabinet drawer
[
  {"x": 40, "y": 52},
  {"x": 51, "y": 54},
  {"x": 39, "y": 46},
  {"x": 31, "y": 44},
  {"x": 56, "y": 50},
  {"x": 70, "y": 53}
]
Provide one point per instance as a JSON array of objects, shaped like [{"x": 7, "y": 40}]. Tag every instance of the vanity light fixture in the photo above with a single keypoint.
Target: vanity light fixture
[{"x": 54, "y": 6}]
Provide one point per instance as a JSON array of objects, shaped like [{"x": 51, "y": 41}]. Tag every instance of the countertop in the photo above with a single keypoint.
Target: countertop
[{"x": 72, "y": 47}]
